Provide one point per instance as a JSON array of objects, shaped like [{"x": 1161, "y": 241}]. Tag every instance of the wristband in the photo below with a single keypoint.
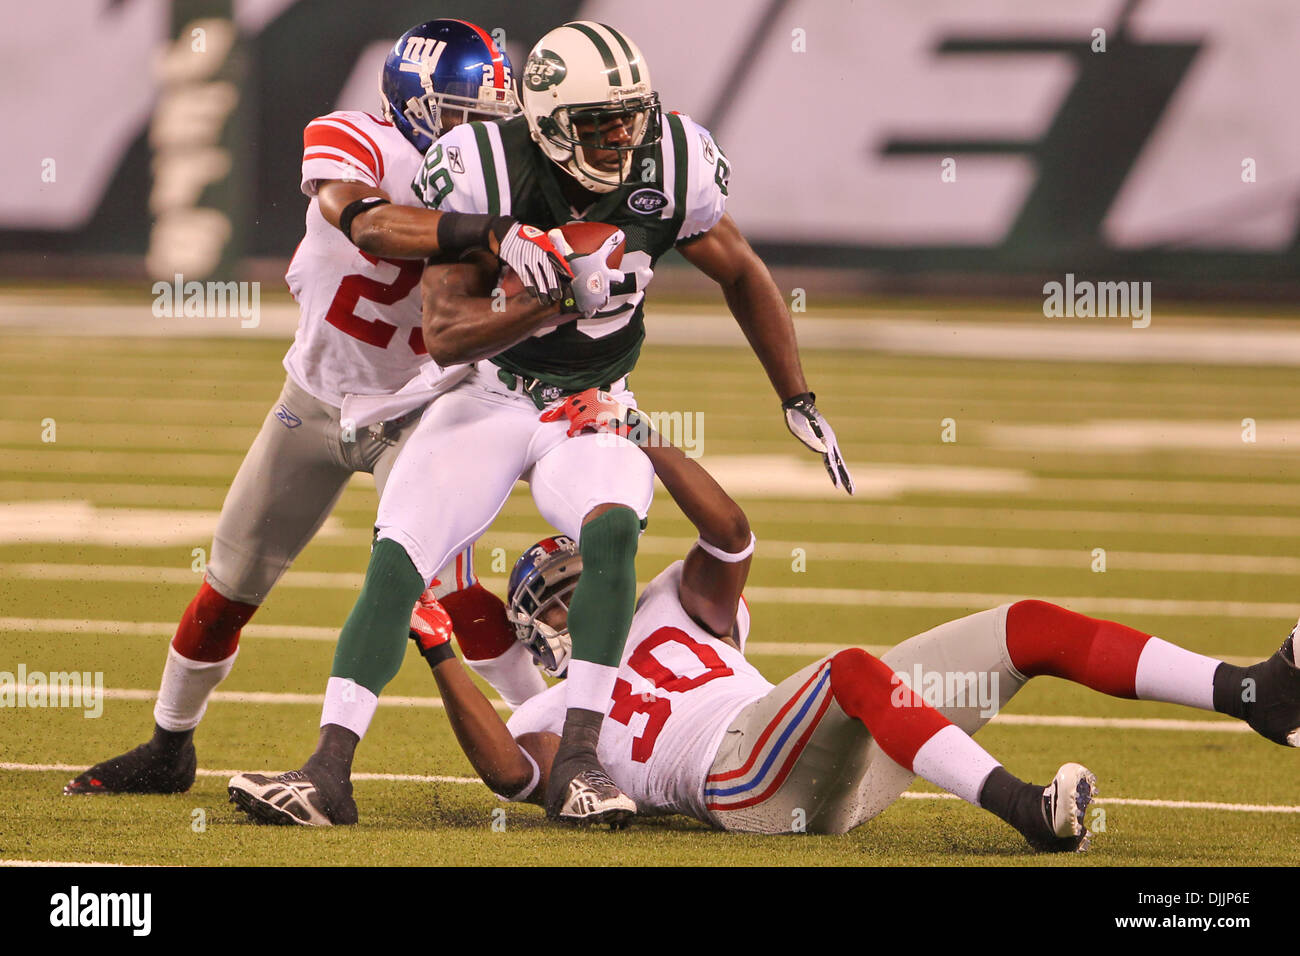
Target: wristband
[
  {"x": 438, "y": 653},
  {"x": 459, "y": 232},
  {"x": 727, "y": 556},
  {"x": 799, "y": 399},
  {"x": 527, "y": 792},
  {"x": 356, "y": 208}
]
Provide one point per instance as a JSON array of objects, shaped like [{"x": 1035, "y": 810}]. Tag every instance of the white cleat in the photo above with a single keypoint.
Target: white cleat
[
  {"x": 291, "y": 799},
  {"x": 593, "y": 798},
  {"x": 1065, "y": 801}
]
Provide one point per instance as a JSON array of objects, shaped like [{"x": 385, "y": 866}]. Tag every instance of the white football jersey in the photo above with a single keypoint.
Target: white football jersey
[
  {"x": 678, "y": 690},
  {"x": 359, "y": 330}
]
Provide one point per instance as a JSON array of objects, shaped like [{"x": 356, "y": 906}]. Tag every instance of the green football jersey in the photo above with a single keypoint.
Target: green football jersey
[{"x": 678, "y": 190}]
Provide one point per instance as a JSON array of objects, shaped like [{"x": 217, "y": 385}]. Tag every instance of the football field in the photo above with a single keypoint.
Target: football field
[{"x": 1132, "y": 491}]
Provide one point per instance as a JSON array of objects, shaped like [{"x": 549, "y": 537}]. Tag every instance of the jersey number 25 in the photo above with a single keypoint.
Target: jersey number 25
[{"x": 342, "y": 312}]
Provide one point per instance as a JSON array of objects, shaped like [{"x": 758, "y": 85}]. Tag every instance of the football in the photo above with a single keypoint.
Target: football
[{"x": 584, "y": 238}]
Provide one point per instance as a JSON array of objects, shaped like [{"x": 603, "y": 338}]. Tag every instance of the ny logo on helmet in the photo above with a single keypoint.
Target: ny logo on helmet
[
  {"x": 544, "y": 70},
  {"x": 421, "y": 50}
]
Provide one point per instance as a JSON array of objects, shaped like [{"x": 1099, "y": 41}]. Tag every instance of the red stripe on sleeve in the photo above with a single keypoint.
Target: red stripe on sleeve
[
  {"x": 379, "y": 153},
  {"x": 335, "y": 138}
]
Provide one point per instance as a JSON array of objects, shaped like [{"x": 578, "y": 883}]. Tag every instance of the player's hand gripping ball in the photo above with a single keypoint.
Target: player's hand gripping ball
[{"x": 593, "y": 252}]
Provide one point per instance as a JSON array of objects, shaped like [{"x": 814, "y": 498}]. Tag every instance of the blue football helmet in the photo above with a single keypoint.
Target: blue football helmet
[
  {"x": 543, "y": 578},
  {"x": 441, "y": 67}
]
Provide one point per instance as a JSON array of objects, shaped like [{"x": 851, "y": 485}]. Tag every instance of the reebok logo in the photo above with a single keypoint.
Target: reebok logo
[{"x": 287, "y": 418}]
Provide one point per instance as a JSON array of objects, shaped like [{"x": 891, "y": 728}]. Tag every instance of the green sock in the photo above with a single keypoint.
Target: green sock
[
  {"x": 600, "y": 612},
  {"x": 373, "y": 641}
]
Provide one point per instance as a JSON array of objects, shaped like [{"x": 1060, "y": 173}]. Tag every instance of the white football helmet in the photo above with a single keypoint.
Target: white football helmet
[{"x": 584, "y": 82}]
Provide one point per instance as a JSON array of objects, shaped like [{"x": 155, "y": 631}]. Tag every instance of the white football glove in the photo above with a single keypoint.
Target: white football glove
[
  {"x": 592, "y": 275},
  {"x": 811, "y": 427},
  {"x": 534, "y": 258}
]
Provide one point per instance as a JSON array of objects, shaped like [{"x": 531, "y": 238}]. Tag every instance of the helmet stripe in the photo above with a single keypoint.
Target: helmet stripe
[
  {"x": 627, "y": 51},
  {"x": 498, "y": 71},
  {"x": 606, "y": 54}
]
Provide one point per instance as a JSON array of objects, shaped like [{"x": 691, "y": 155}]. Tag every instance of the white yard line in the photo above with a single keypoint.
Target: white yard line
[
  {"x": 1141, "y": 802},
  {"x": 398, "y": 777},
  {"x": 62, "y": 863},
  {"x": 428, "y": 778},
  {"x": 303, "y": 632},
  {"x": 1169, "y": 339},
  {"x": 839, "y": 597},
  {"x": 767, "y": 549},
  {"x": 1004, "y": 720}
]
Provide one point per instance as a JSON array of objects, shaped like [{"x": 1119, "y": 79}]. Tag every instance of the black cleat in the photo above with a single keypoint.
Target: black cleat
[
  {"x": 1274, "y": 711},
  {"x": 294, "y": 798},
  {"x": 146, "y": 769}
]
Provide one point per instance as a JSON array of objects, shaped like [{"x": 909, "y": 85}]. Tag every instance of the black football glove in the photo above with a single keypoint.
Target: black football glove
[{"x": 811, "y": 427}]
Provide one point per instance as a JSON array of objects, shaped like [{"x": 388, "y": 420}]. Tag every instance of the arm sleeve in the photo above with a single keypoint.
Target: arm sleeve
[
  {"x": 337, "y": 146},
  {"x": 541, "y": 713},
  {"x": 451, "y": 177},
  {"x": 708, "y": 173}
]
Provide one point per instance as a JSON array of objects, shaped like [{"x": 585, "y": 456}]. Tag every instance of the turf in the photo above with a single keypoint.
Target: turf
[{"x": 1204, "y": 534}]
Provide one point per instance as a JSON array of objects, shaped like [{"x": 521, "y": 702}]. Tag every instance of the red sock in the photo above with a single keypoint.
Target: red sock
[
  {"x": 898, "y": 719},
  {"x": 209, "y": 628},
  {"x": 1046, "y": 640},
  {"x": 479, "y": 619}
]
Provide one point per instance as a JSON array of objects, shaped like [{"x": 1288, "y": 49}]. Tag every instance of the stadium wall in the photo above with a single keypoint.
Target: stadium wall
[{"x": 952, "y": 145}]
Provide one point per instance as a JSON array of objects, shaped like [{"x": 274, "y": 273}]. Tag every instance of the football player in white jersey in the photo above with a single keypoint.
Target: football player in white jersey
[
  {"x": 693, "y": 728},
  {"x": 356, "y": 277}
]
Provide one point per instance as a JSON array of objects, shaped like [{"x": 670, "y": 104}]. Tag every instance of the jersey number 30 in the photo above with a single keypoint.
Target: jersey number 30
[{"x": 658, "y": 709}]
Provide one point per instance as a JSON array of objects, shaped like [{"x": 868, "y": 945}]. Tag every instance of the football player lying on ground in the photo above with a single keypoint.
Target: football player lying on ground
[
  {"x": 592, "y": 143},
  {"x": 693, "y": 728},
  {"x": 355, "y": 276}
]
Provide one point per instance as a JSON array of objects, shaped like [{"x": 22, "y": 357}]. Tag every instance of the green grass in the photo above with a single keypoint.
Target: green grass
[{"x": 145, "y": 423}]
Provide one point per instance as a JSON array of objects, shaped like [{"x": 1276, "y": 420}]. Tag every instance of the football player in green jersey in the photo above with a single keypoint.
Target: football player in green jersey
[{"x": 593, "y": 145}]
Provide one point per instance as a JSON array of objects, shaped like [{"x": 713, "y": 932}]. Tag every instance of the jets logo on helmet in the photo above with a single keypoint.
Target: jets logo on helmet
[
  {"x": 589, "y": 102},
  {"x": 541, "y": 584},
  {"x": 543, "y": 70},
  {"x": 441, "y": 73}
]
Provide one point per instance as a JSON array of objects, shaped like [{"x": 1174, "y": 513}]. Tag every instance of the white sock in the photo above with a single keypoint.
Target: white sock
[
  {"x": 513, "y": 674},
  {"x": 1175, "y": 675},
  {"x": 953, "y": 760},
  {"x": 589, "y": 685},
  {"x": 349, "y": 705},
  {"x": 185, "y": 689}
]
